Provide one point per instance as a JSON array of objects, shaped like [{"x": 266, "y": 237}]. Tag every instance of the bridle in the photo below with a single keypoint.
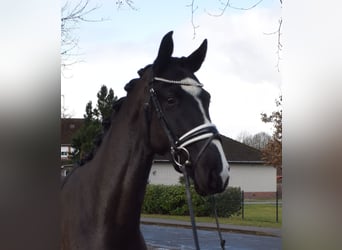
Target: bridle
[
  {"x": 207, "y": 131},
  {"x": 180, "y": 154}
]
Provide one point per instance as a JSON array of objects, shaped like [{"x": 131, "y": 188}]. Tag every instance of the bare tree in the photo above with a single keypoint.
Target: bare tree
[
  {"x": 71, "y": 17},
  {"x": 259, "y": 140},
  {"x": 280, "y": 46},
  {"x": 129, "y": 3},
  {"x": 224, "y": 5},
  {"x": 64, "y": 110}
]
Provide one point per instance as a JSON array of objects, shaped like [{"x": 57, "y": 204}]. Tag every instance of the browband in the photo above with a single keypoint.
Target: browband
[{"x": 186, "y": 81}]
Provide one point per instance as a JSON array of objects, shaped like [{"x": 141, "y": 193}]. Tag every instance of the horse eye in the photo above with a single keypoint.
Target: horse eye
[{"x": 171, "y": 100}]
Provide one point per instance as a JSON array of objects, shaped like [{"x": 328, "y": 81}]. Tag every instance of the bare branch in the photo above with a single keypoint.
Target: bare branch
[
  {"x": 228, "y": 5},
  {"x": 129, "y": 3},
  {"x": 64, "y": 110},
  {"x": 193, "y": 10},
  {"x": 223, "y": 10},
  {"x": 225, "y": 5},
  {"x": 279, "y": 46},
  {"x": 248, "y": 8},
  {"x": 70, "y": 21}
]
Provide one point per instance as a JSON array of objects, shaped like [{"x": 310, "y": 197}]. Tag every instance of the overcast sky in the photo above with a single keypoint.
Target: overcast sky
[{"x": 240, "y": 70}]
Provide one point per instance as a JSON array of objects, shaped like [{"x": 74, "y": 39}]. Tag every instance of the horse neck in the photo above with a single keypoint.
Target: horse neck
[{"x": 123, "y": 164}]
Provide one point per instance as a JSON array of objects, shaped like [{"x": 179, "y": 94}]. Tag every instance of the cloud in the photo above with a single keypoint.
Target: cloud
[
  {"x": 240, "y": 68},
  {"x": 239, "y": 71},
  {"x": 238, "y": 44}
]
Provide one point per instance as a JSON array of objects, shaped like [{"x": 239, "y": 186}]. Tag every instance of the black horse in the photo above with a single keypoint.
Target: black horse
[{"x": 165, "y": 108}]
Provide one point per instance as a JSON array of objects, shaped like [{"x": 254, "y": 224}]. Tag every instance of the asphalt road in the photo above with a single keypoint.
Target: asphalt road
[{"x": 177, "y": 238}]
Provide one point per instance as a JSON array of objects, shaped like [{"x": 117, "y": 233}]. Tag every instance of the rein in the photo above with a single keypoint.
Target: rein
[
  {"x": 179, "y": 152},
  {"x": 192, "y": 215},
  {"x": 191, "y": 210}
]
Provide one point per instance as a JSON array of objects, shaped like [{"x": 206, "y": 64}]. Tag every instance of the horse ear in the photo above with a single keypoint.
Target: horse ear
[
  {"x": 195, "y": 60},
  {"x": 164, "y": 53}
]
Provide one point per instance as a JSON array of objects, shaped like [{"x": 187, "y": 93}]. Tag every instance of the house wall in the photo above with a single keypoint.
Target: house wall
[
  {"x": 253, "y": 178},
  {"x": 66, "y": 150},
  {"x": 250, "y": 178},
  {"x": 163, "y": 173}
]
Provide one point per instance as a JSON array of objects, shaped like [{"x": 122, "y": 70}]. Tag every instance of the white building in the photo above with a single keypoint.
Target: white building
[
  {"x": 247, "y": 170},
  {"x": 69, "y": 126}
]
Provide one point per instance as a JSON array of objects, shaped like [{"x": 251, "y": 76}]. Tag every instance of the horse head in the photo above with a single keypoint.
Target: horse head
[{"x": 177, "y": 110}]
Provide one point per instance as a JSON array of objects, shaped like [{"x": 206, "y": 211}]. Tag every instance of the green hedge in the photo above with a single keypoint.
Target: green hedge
[{"x": 171, "y": 200}]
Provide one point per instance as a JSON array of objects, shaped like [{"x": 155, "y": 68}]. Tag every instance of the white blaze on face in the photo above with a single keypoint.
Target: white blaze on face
[
  {"x": 195, "y": 92},
  {"x": 225, "y": 166}
]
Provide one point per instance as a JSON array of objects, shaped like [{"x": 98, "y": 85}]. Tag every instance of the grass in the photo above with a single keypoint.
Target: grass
[{"x": 259, "y": 215}]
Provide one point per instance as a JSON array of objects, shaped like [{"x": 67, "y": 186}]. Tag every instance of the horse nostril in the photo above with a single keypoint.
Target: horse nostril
[
  {"x": 218, "y": 184},
  {"x": 215, "y": 182}
]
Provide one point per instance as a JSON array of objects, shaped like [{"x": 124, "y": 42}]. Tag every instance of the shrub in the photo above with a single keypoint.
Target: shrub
[
  {"x": 172, "y": 200},
  {"x": 153, "y": 199},
  {"x": 228, "y": 202}
]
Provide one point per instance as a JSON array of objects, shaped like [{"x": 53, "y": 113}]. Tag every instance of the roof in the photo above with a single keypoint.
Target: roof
[
  {"x": 69, "y": 126},
  {"x": 236, "y": 152}
]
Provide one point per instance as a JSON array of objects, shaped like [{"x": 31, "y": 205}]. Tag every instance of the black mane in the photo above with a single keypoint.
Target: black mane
[
  {"x": 98, "y": 139},
  {"x": 105, "y": 126}
]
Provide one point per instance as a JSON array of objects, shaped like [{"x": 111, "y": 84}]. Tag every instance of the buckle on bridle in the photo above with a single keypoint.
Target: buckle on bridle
[
  {"x": 179, "y": 152},
  {"x": 180, "y": 158}
]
